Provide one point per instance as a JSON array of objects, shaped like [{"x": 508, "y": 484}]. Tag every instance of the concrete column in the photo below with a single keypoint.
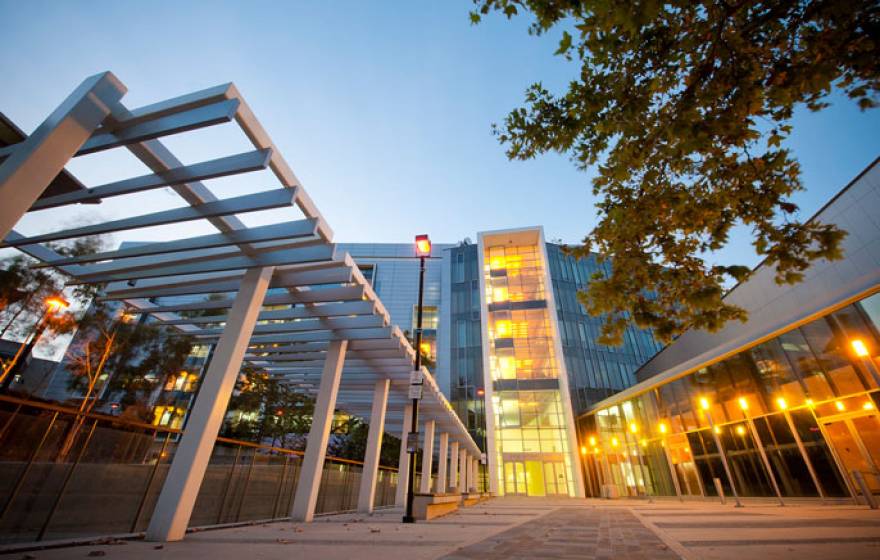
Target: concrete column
[
  {"x": 403, "y": 461},
  {"x": 367, "y": 492},
  {"x": 178, "y": 496},
  {"x": 441, "y": 464},
  {"x": 33, "y": 164},
  {"x": 316, "y": 447},
  {"x": 427, "y": 457},
  {"x": 462, "y": 470},
  {"x": 453, "y": 465},
  {"x": 474, "y": 474}
]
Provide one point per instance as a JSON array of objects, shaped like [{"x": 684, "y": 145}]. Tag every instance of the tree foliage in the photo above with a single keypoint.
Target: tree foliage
[{"x": 684, "y": 106}]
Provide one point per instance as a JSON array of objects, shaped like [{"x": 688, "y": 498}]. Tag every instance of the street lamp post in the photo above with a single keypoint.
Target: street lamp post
[
  {"x": 423, "y": 251},
  {"x": 53, "y": 304}
]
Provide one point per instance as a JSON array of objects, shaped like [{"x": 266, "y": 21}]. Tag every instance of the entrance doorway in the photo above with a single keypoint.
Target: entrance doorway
[
  {"x": 856, "y": 443},
  {"x": 535, "y": 478}
]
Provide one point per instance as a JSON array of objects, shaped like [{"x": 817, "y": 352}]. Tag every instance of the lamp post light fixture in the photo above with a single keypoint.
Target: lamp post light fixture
[
  {"x": 704, "y": 404},
  {"x": 423, "y": 251},
  {"x": 53, "y": 305}
]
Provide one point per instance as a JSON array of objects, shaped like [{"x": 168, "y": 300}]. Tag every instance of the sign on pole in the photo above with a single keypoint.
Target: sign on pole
[{"x": 412, "y": 442}]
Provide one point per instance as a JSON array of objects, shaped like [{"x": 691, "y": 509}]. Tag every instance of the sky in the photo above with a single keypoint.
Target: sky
[{"x": 383, "y": 110}]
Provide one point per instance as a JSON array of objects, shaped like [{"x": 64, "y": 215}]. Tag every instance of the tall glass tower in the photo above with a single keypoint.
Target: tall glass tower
[{"x": 530, "y": 435}]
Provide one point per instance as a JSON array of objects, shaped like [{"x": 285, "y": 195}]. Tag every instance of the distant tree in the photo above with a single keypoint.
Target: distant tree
[
  {"x": 353, "y": 444},
  {"x": 116, "y": 355},
  {"x": 684, "y": 106},
  {"x": 265, "y": 409}
]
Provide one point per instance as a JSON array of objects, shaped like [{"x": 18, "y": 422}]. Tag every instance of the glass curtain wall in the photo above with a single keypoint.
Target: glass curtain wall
[
  {"x": 808, "y": 399},
  {"x": 530, "y": 428}
]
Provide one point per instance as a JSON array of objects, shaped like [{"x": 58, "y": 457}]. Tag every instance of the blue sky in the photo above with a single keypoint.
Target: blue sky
[{"x": 383, "y": 109}]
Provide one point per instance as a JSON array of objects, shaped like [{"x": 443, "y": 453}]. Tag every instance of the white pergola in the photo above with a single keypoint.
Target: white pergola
[{"x": 283, "y": 299}]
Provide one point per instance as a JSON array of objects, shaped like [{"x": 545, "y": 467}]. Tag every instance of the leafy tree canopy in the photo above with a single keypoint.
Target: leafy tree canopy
[{"x": 684, "y": 106}]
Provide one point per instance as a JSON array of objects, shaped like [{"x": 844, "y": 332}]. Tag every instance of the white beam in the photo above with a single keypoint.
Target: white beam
[
  {"x": 316, "y": 447},
  {"x": 367, "y": 492},
  {"x": 32, "y": 164},
  {"x": 174, "y": 507}
]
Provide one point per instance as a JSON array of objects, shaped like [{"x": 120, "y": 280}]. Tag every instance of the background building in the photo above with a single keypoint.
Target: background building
[{"x": 788, "y": 399}]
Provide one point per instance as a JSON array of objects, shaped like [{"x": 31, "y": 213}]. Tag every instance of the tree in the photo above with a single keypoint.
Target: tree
[
  {"x": 353, "y": 444},
  {"x": 114, "y": 355},
  {"x": 264, "y": 406},
  {"x": 684, "y": 106},
  {"x": 24, "y": 287}
]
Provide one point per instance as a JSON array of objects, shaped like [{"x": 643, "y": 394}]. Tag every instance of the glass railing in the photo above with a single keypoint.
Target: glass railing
[{"x": 65, "y": 475}]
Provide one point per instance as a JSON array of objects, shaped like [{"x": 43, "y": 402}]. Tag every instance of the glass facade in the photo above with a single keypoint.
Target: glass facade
[
  {"x": 530, "y": 429},
  {"x": 797, "y": 412},
  {"x": 595, "y": 371},
  {"x": 465, "y": 342}
]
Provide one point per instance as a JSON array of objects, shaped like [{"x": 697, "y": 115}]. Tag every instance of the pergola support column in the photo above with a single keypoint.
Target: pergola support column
[
  {"x": 427, "y": 457},
  {"x": 316, "y": 447},
  {"x": 462, "y": 470},
  {"x": 403, "y": 462},
  {"x": 453, "y": 465},
  {"x": 367, "y": 492},
  {"x": 178, "y": 496},
  {"x": 442, "y": 477},
  {"x": 33, "y": 164}
]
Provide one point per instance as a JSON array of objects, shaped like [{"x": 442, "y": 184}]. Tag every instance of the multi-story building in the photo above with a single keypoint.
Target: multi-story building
[
  {"x": 783, "y": 405},
  {"x": 512, "y": 345}
]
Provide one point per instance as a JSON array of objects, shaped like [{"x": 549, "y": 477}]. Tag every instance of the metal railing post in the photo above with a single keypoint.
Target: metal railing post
[{"x": 228, "y": 483}]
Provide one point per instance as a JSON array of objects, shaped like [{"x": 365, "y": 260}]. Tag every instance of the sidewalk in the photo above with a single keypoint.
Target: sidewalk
[{"x": 520, "y": 528}]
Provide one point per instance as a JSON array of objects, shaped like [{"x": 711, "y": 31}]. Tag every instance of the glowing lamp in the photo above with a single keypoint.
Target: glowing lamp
[
  {"x": 662, "y": 427},
  {"x": 633, "y": 427},
  {"x": 717, "y": 430},
  {"x": 481, "y": 392},
  {"x": 423, "y": 246},
  {"x": 868, "y": 406},
  {"x": 56, "y": 304},
  {"x": 840, "y": 406},
  {"x": 583, "y": 450},
  {"x": 859, "y": 348},
  {"x": 592, "y": 441},
  {"x": 740, "y": 430},
  {"x": 704, "y": 403},
  {"x": 614, "y": 442},
  {"x": 743, "y": 403},
  {"x": 781, "y": 403}
]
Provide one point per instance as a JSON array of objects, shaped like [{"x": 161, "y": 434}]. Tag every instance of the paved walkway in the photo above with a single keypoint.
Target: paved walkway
[{"x": 535, "y": 528}]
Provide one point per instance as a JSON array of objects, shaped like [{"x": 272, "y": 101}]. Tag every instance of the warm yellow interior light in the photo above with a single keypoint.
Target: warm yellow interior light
[
  {"x": 859, "y": 348},
  {"x": 644, "y": 443},
  {"x": 840, "y": 406},
  {"x": 868, "y": 406},
  {"x": 781, "y": 403},
  {"x": 809, "y": 402},
  {"x": 704, "y": 403},
  {"x": 499, "y": 294},
  {"x": 662, "y": 427},
  {"x": 634, "y": 428},
  {"x": 614, "y": 442},
  {"x": 583, "y": 450},
  {"x": 592, "y": 441},
  {"x": 717, "y": 430},
  {"x": 55, "y": 304},
  {"x": 502, "y": 329},
  {"x": 743, "y": 403},
  {"x": 740, "y": 430}
]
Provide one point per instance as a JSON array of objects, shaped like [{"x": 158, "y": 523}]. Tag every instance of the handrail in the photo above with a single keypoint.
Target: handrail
[{"x": 164, "y": 429}]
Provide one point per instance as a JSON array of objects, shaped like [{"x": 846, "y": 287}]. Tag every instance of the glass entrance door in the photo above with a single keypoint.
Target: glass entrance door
[
  {"x": 555, "y": 479},
  {"x": 515, "y": 478},
  {"x": 856, "y": 443}
]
